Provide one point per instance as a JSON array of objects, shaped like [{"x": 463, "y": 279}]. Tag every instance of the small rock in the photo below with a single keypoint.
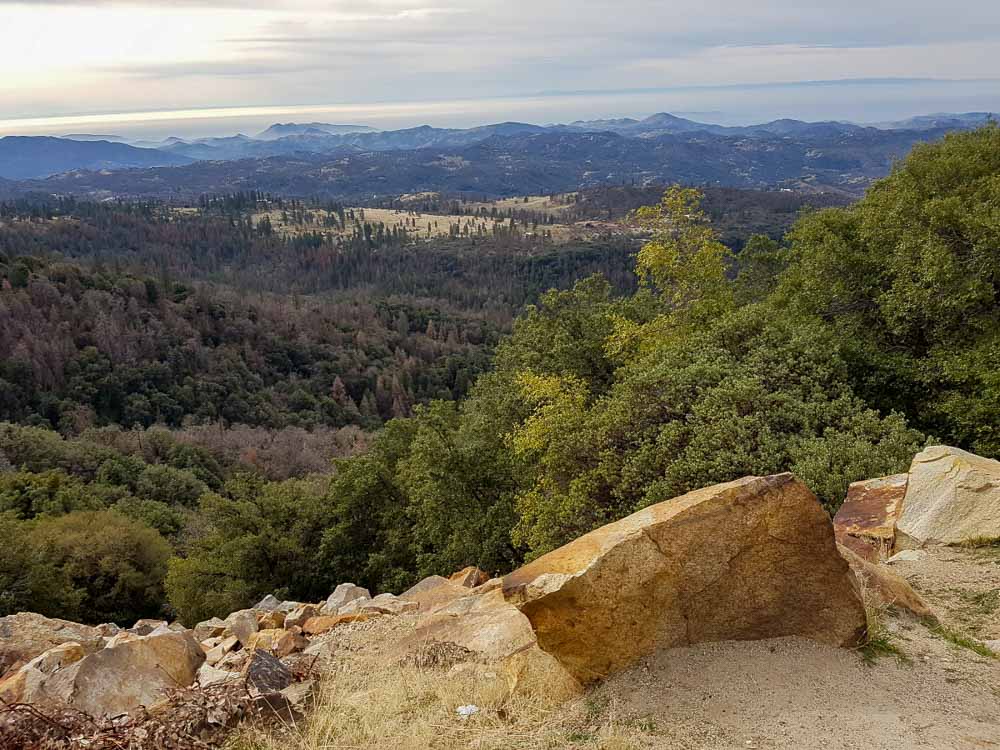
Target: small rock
[
  {"x": 344, "y": 593},
  {"x": 145, "y": 627},
  {"x": 389, "y": 604},
  {"x": 300, "y": 615},
  {"x": 209, "y": 629},
  {"x": 242, "y": 624},
  {"x": 279, "y": 642},
  {"x": 209, "y": 675},
  {"x": 271, "y": 620},
  {"x": 907, "y": 555},
  {"x": 269, "y": 603},
  {"x": 299, "y": 692},
  {"x": 323, "y": 623},
  {"x": 469, "y": 577},
  {"x": 265, "y": 673},
  {"x": 993, "y": 646},
  {"x": 466, "y": 711},
  {"x": 218, "y": 652}
]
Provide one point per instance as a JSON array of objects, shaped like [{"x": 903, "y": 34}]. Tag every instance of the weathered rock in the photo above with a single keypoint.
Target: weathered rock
[
  {"x": 145, "y": 627},
  {"x": 993, "y": 646},
  {"x": 218, "y": 652},
  {"x": 266, "y": 674},
  {"x": 269, "y": 603},
  {"x": 469, "y": 577},
  {"x": 279, "y": 642},
  {"x": 485, "y": 624},
  {"x": 28, "y": 684},
  {"x": 209, "y": 643},
  {"x": 344, "y": 593},
  {"x": 749, "y": 559},
  {"x": 496, "y": 633},
  {"x": 286, "y": 606},
  {"x": 209, "y": 675},
  {"x": 952, "y": 497},
  {"x": 299, "y": 693},
  {"x": 25, "y": 635},
  {"x": 135, "y": 673},
  {"x": 907, "y": 555},
  {"x": 432, "y": 593},
  {"x": 323, "y": 623},
  {"x": 389, "y": 604},
  {"x": 209, "y": 628},
  {"x": 107, "y": 629},
  {"x": 300, "y": 615},
  {"x": 123, "y": 637},
  {"x": 891, "y": 589},
  {"x": 242, "y": 624},
  {"x": 271, "y": 620},
  {"x": 866, "y": 522}
]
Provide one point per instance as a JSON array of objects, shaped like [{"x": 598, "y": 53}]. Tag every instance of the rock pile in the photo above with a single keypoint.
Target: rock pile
[
  {"x": 949, "y": 496},
  {"x": 751, "y": 559}
]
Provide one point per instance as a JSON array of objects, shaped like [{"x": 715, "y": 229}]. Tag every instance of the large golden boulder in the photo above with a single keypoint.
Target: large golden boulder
[{"x": 750, "y": 559}]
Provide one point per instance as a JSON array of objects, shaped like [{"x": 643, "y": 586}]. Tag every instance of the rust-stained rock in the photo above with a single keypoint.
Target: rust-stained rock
[
  {"x": 279, "y": 642},
  {"x": 866, "y": 522},
  {"x": 891, "y": 589},
  {"x": 25, "y": 635},
  {"x": 469, "y": 577},
  {"x": 750, "y": 559},
  {"x": 272, "y": 620},
  {"x": 300, "y": 615},
  {"x": 432, "y": 593},
  {"x": 323, "y": 623}
]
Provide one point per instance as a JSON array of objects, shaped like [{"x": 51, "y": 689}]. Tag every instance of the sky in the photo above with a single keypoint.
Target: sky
[{"x": 188, "y": 67}]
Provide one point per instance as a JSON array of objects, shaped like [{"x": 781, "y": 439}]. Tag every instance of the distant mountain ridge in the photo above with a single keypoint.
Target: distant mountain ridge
[
  {"x": 531, "y": 162},
  {"x": 281, "y": 130},
  {"x": 28, "y": 157},
  {"x": 663, "y": 146}
]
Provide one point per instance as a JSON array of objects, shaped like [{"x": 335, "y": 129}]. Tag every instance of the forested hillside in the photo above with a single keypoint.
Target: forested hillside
[{"x": 836, "y": 353}]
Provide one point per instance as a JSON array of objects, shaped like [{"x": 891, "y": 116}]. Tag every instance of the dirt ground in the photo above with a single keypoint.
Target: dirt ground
[{"x": 793, "y": 693}]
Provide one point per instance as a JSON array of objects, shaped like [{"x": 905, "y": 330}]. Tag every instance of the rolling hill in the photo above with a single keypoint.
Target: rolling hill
[{"x": 26, "y": 157}]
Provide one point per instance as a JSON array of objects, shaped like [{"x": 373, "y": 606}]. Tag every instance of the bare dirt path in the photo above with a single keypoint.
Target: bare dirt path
[{"x": 793, "y": 693}]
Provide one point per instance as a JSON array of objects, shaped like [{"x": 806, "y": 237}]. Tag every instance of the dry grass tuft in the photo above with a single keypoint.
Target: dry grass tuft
[
  {"x": 367, "y": 703},
  {"x": 879, "y": 640}
]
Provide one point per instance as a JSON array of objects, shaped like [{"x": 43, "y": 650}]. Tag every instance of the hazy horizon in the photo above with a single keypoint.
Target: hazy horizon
[{"x": 861, "y": 101}]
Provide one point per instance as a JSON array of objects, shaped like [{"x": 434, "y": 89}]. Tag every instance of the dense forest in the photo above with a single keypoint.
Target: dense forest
[{"x": 836, "y": 352}]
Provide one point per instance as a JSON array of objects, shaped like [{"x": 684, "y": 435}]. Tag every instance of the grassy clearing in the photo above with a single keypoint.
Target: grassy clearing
[{"x": 367, "y": 704}]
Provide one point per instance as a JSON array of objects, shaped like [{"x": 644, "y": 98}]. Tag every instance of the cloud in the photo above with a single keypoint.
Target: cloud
[{"x": 131, "y": 54}]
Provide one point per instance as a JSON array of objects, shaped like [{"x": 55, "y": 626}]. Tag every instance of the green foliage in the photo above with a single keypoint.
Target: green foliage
[
  {"x": 908, "y": 279},
  {"x": 261, "y": 538},
  {"x": 29, "y": 580},
  {"x": 117, "y": 564}
]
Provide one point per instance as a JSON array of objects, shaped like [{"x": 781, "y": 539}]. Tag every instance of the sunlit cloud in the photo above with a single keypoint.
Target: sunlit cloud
[{"x": 92, "y": 57}]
